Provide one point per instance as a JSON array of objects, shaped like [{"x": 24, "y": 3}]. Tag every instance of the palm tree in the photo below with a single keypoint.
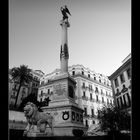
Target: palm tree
[{"x": 22, "y": 75}]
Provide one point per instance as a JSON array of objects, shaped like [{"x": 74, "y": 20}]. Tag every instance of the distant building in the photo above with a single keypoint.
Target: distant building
[
  {"x": 25, "y": 90},
  {"x": 93, "y": 90},
  {"x": 121, "y": 85}
]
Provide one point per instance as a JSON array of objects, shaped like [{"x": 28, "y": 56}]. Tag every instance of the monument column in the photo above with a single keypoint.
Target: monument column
[
  {"x": 64, "y": 54},
  {"x": 65, "y": 111}
]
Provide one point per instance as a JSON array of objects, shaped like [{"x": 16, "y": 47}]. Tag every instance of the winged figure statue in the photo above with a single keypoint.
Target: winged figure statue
[{"x": 65, "y": 11}]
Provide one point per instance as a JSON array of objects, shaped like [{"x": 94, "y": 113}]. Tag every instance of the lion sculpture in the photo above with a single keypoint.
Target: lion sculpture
[{"x": 34, "y": 117}]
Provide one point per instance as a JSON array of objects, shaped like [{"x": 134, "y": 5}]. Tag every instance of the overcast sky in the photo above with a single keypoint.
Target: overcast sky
[{"x": 99, "y": 36}]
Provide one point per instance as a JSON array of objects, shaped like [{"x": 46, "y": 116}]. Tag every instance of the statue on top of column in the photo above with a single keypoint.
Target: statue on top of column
[{"x": 65, "y": 12}]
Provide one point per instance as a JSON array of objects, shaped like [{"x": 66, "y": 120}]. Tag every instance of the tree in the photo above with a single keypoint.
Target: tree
[
  {"x": 22, "y": 75},
  {"x": 113, "y": 120},
  {"x": 30, "y": 98}
]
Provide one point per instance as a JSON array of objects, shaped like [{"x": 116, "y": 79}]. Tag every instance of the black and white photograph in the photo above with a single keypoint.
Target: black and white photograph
[{"x": 69, "y": 74}]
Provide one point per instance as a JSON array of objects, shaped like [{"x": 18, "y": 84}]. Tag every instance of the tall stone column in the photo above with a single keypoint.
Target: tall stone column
[{"x": 64, "y": 54}]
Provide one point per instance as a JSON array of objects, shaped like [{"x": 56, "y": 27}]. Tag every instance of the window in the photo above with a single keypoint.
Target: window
[
  {"x": 22, "y": 97},
  {"x": 97, "y": 98},
  {"x": 73, "y": 72},
  {"x": 116, "y": 82},
  {"x": 107, "y": 101},
  {"x": 84, "y": 85},
  {"x": 48, "y": 91},
  {"x": 128, "y": 99},
  {"x": 90, "y": 96},
  {"x": 103, "y": 99},
  {"x": 23, "y": 91},
  {"x": 100, "y": 80},
  {"x": 42, "y": 82},
  {"x": 92, "y": 112},
  {"x": 122, "y": 78},
  {"x": 117, "y": 91},
  {"x": 98, "y": 111},
  {"x": 96, "y": 89},
  {"x": 85, "y": 111},
  {"x": 111, "y": 102},
  {"x": 128, "y": 73},
  {"x": 41, "y": 93},
  {"x": 84, "y": 93},
  {"x": 82, "y": 73},
  {"x": 88, "y": 75},
  {"x": 94, "y": 78},
  {"x": 14, "y": 87},
  {"x": 87, "y": 123},
  {"x": 124, "y": 100},
  {"x": 101, "y": 91},
  {"x": 14, "y": 93},
  {"x": 93, "y": 122},
  {"x": 121, "y": 101},
  {"x": 91, "y": 87},
  {"x": 118, "y": 103}
]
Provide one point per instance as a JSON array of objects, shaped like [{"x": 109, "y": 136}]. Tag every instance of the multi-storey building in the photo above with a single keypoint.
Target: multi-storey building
[
  {"x": 93, "y": 90},
  {"x": 121, "y": 85},
  {"x": 26, "y": 89}
]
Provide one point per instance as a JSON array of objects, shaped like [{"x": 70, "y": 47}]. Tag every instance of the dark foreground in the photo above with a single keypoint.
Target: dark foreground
[{"x": 18, "y": 135}]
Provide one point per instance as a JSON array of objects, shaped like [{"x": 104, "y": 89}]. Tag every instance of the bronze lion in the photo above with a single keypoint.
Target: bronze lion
[{"x": 34, "y": 117}]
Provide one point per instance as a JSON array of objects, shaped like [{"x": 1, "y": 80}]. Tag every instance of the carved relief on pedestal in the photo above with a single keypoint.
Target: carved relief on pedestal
[
  {"x": 59, "y": 91},
  {"x": 65, "y": 115},
  {"x": 73, "y": 115},
  {"x": 77, "y": 117}
]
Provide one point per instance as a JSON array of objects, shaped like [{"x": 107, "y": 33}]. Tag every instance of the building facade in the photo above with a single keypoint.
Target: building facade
[
  {"x": 121, "y": 85},
  {"x": 93, "y": 90},
  {"x": 25, "y": 90}
]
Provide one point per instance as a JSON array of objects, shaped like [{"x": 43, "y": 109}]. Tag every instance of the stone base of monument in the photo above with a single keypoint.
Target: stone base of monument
[
  {"x": 66, "y": 118},
  {"x": 66, "y": 131},
  {"x": 38, "y": 134},
  {"x": 58, "y": 131}
]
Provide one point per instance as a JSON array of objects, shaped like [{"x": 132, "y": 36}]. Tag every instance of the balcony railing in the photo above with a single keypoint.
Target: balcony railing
[
  {"x": 13, "y": 96},
  {"x": 83, "y": 87},
  {"x": 92, "y": 100},
  {"x": 93, "y": 116},
  {"x": 84, "y": 98},
  {"x": 98, "y": 101},
  {"x": 118, "y": 93},
  {"x": 86, "y": 115},
  {"x": 96, "y": 91},
  {"x": 14, "y": 88}
]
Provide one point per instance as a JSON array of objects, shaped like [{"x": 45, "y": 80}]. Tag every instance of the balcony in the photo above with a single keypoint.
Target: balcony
[
  {"x": 92, "y": 100},
  {"x": 98, "y": 101},
  {"x": 14, "y": 89},
  {"x": 118, "y": 93},
  {"x": 96, "y": 91},
  {"x": 13, "y": 96},
  {"x": 86, "y": 115},
  {"x": 93, "y": 116},
  {"x": 84, "y": 98},
  {"x": 124, "y": 89},
  {"x": 83, "y": 87}
]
